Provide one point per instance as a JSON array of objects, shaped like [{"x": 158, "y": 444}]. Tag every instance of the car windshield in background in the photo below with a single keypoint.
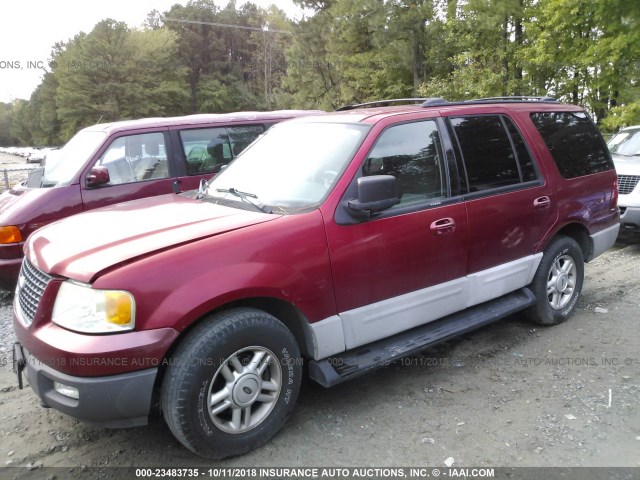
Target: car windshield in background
[
  {"x": 71, "y": 158},
  {"x": 625, "y": 143},
  {"x": 293, "y": 166}
]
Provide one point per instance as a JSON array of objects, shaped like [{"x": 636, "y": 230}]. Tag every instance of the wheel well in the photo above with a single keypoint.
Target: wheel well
[
  {"x": 580, "y": 234},
  {"x": 289, "y": 315},
  {"x": 292, "y": 318}
]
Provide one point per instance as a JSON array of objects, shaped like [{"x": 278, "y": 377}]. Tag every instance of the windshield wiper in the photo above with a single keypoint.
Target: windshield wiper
[{"x": 245, "y": 197}]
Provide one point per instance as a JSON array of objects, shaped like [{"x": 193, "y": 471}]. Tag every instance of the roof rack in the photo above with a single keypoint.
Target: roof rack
[
  {"x": 438, "y": 101},
  {"x": 433, "y": 102},
  {"x": 382, "y": 103},
  {"x": 514, "y": 98}
]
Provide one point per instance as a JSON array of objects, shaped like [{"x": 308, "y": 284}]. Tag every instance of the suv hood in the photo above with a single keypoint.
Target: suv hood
[
  {"x": 81, "y": 246},
  {"x": 626, "y": 165}
]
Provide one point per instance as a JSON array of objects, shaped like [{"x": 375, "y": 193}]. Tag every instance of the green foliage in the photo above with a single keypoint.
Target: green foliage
[
  {"x": 623, "y": 116},
  {"x": 199, "y": 57},
  {"x": 6, "y": 117},
  {"x": 114, "y": 73}
]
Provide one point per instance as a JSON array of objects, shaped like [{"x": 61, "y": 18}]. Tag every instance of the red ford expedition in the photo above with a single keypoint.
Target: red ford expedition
[
  {"x": 345, "y": 241},
  {"x": 116, "y": 162}
]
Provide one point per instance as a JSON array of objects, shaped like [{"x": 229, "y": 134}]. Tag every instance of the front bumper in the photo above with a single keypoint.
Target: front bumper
[
  {"x": 115, "y": 401},
  {"x": 630, "y": 218}
]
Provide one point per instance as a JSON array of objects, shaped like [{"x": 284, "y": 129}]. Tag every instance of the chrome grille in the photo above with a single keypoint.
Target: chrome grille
[
  {"x": 626, "y": 183},
  {"x": 31, "y": 285}
]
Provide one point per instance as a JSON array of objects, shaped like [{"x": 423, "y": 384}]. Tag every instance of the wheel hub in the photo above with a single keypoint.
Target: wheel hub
[
  {"x": 562, "y": 282},
  {"x": 246, "y": 390}
]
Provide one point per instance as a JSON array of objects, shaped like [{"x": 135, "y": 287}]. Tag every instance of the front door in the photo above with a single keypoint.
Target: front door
[
  {"x": 406, "y": 266},
  {"x": 138, "y": 167}
]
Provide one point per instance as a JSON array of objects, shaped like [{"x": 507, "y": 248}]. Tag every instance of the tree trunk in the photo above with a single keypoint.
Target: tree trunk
[
  {"x": 452, "y": 7},
  {"x": 505, "y": 59},
  {"x": 518, "y": 39},
  {"x": 415, "y": 48}
]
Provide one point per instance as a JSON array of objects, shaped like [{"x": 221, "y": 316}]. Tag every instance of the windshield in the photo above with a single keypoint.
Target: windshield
[
  {"x": 71, "y": 158},
  {"x": 625, "y": 143},
  {"x": 292, "y": 166}
]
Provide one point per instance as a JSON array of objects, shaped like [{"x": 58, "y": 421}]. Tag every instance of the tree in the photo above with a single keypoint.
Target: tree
[
  {"x": 19, "y": 128},
  {"x": 268, "y": 64},
  {"x": 6, "y": 116},
  {"x": 484, "y": 39},
  {"x": 594, "y": 61},
  {"x": 114, "y": 73}
]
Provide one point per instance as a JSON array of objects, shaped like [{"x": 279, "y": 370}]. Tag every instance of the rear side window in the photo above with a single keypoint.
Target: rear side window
[
  {"x": 574, "y": 142},
  {"x": 525, "y": 160},
  {"x": 207, "y": 150},
  {"x": 493, "y": 152}
]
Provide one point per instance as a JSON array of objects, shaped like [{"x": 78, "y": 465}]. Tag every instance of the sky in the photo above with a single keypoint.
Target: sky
[{"x": 29, "y": 28}]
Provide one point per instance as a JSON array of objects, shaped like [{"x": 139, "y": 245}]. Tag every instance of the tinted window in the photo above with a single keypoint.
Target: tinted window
[
  {"x": 486, "y": 151},
  {"x": 574, "y": 142},
  {"x": 412, "y": 153},
  {"x": 135, "y": 158},
  {"x": 525, "y": 161},
  {"x": 207, "y": 150}
]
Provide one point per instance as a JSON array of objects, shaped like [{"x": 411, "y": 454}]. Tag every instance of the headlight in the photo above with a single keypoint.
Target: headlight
[
  {"x": 87, "y": 310},
  {"x": 10, "y": 234}
]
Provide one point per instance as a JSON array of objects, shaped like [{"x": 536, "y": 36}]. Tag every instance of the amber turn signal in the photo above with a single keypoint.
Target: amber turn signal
[{"x": 10, "y": 234}]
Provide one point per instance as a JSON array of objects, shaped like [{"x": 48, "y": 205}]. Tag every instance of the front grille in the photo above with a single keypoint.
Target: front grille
[
  {"x": 31, "y": 285},
  {"x": 626, "y": 183}
]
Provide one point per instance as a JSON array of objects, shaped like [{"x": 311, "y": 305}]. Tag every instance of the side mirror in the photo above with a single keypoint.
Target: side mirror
[
  {"x": 98, "y": 176},
  {"x": 375, "y": 194}
]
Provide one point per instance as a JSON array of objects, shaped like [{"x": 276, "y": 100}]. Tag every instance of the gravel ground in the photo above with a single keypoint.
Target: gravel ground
[{"x": 510, "y": 394}]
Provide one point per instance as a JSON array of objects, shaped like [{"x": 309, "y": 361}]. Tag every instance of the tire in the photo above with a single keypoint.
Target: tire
[
  {"x": 558, "y": 282},
  {"x": 231, "y": 383}
]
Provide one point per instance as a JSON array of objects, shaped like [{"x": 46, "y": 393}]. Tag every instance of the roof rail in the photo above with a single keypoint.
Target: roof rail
[
  {"x": 381, "y": 103},
  {"x": 434, "y": 102},
  {"x": 438, "y": 101},
  {"x": 514, "y": 98}
]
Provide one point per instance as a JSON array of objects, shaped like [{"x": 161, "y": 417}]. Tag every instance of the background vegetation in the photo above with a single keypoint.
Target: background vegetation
[{"x": 203, "y": 58}]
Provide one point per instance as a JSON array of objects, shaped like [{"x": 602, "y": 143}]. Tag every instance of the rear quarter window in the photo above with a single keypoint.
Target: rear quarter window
[{"x": 574, "y": 142}]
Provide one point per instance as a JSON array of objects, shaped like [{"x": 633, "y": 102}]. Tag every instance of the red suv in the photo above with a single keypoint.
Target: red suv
[
  {"x": 120, "y": 161},
  {"x": 343, "y": 241}
]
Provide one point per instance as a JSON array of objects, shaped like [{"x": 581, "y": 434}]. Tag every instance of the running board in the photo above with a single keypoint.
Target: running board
[{"x": 354, "y": 363}]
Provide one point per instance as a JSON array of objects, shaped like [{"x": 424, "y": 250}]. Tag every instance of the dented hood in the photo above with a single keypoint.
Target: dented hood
[{"x": 81, "y": 246}]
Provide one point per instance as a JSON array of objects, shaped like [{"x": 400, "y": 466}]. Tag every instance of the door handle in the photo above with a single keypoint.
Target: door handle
[
  {"x": 541, "y": 203},
  {"x": 444, "y": 226}
]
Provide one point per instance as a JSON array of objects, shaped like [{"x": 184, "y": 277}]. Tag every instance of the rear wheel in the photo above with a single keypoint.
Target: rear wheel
[
  {"x": 232, "y": 383},
  {"x": 558, "y": 282}
]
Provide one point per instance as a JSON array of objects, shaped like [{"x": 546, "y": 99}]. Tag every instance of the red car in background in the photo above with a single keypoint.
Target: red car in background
[{"x": 116, "y": 162}]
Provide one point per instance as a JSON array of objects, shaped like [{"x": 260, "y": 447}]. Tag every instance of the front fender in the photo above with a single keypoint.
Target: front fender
[{"x": 285, "y": 259}]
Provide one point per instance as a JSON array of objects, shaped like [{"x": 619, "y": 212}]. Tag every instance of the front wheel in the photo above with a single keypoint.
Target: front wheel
[
  {"x": 558, "y": 282},
  {"x": 232, "y": 383}
]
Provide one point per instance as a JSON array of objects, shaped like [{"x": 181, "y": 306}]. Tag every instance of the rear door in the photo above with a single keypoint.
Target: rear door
[
  {"x": 405, "y": 266},
  {"x": 138, "y": 167},
  {"x": 509, "y": 206}
]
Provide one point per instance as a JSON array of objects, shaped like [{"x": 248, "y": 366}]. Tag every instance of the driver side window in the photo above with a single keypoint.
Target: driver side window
[
  {"x": 412, "y": 153},
  {"x": 135, "y": 158}
]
